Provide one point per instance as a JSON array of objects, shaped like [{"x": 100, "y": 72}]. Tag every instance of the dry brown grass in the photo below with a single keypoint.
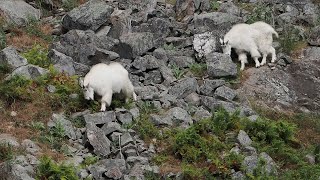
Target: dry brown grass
[
  {"x": 171, "y": 165},
  {"x": 298, "y": 50},
  {"x": 21, "y": 40}
]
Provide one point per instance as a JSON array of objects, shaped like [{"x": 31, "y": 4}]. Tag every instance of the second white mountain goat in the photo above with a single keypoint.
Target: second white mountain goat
[
  {"x": 105, "y": 80},
  {"x": 254, "y": 38}
]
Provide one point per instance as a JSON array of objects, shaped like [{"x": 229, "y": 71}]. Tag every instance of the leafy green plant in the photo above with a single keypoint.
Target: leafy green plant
[
  {"x": 55, "y": 136},
  {"x": 177, "y": 72},
  {"x": 160, "y": 159},
  {"x": 4, "y": 69},
  {"x": 143, "y": 125},
  {"x": 36, "y": 125},
  {"x": 261, "y": 12},
  {"x": 48, "y": 169},
  {"x": 147, "y": 107},
  {"x": 198, "y": 69},
  {"x": 89, "y": 160},
  {"x": 169, "y": 47},
  {"x": 6, "y": 152},
  {"x": 215, "y": 5},
  {"x": 3, "y": 39},
  {"x": 37, "y": 56},
  {"x": 289, "y": 39},
  {"x": 69, "y": 4},
  {"x": 17, "y": 87}
]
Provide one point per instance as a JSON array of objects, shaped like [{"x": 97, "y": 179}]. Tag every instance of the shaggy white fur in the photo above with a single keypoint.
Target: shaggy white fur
[
  {"x": 105, "y": 80},
  {"x": 254, "y": 38}
]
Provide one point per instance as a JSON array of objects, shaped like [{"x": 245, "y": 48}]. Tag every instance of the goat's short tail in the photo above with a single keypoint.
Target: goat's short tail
[{"x": 275, "y": 33}]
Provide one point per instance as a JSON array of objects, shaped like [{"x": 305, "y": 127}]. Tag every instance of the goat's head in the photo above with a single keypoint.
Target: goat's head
[
  {"x": 87, "y": 91},
  {"x": 226, "y": 47}
]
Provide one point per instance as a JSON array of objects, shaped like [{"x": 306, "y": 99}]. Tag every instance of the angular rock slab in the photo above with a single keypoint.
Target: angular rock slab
[
  {"x": 98, "y": 140},
  {"x": 62, "y": 62},
  {"x": 220, "y": 65},
  {"x": 9, "y": 56},
  {"x": 18, "y": 12},
  {"x": 100, "y": 118},
  {"x": 135, "y": 44},
  {"x": 90, "y": 15},
  {"x": 29, "y": 71},
  {"x": 184, "y": 87}
]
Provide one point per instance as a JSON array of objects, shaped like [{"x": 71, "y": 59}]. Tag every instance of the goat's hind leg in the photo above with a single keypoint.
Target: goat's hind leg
[
  {"x": 274, "y": 56},
  {"x": 243, "y": 59},
  {"x": 264, "y": 59},
  {"x": 255, "y": 55}
]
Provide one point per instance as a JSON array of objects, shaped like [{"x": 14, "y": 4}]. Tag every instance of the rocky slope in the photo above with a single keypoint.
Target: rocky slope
[{"x": 175, "y": 63}]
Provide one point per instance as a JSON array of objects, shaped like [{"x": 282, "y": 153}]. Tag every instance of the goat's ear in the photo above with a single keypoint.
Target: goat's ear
[
  {"x": 221, "y": 41},
  {"x": 227, "y": 42},
  {"x": 81, "y": 82}
]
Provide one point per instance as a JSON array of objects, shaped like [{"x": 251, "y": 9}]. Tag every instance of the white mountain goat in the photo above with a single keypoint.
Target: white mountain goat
[
  {"x": 105, "y": 80},
  {"x": 254, "y": 38}
]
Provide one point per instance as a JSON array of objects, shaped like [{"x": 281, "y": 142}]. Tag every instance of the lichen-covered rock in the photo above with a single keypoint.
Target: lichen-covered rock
[
  {"x": 220, "y": 65},
  {"x": 100, "y": 143},
  {"x": 29, "y": 72},
  {"x": 204, "y": 44},
  {"x": 10, "y": 57},
  {"x": 184, "y": 87},
  {"x": 100, "y": 118},
  {"x": 90, "y": 15},
  {"x": 18, "y": 12}
]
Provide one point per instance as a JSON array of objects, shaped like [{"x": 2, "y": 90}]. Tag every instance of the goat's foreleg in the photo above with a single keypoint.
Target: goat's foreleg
[{"x": 106, "y": 101}]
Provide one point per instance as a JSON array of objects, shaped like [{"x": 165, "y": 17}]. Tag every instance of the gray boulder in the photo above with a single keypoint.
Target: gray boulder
[
  {"x": 179, "y": 116},
  {"x": 18, "y": 12},
  {"x": 312, "y": 53},
  {"x": 111, "y": 127},
  {"x": 80, "y": 45},
  {"x": 201, "y": 113},
  {"x": 225, "y": 93},
  {"x": 153, "y": 77},
  {"x": 209, "y": 86},
  {"x": 220, "y": 65},
  {"x": 184, "y": 87},
  {"x": 112, "y": 168},
  {"x": 9, "y": 56},
  {"x": 62, "y": 62},
  {"x": 213, "y": 104},
  {"x": 160, "y": 27},
  {"x": 90, "y": 15},
  {"x": 250, "y": 163},
  {"x": 181, "y": 61},
  {"x": 100, "y": 143},
  {"x": 184, "y": 8},
  {"x": 216, "y": 22},
  {"x": 230, "y": 8},
  {"x": 160, "y": 120},
  {"x": 9, "y": 140},
  {"x": 17, "y": 171},
  {"x": 30, "y": 146},
  {"x": 147, "y": 92},
  {"x": 100, "y": 118},
  {"x": 314, "y": 38},
  {"x": 243, "y": 138},
  {"x": 146, "y": 62},
  {"x": 204, "y": 44},
  {"x": 29, "y": 71},
  {"x": 69, "y": 130},
  {"x": 121, "y": 23},
  {"x": 135, "y": 44}
]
